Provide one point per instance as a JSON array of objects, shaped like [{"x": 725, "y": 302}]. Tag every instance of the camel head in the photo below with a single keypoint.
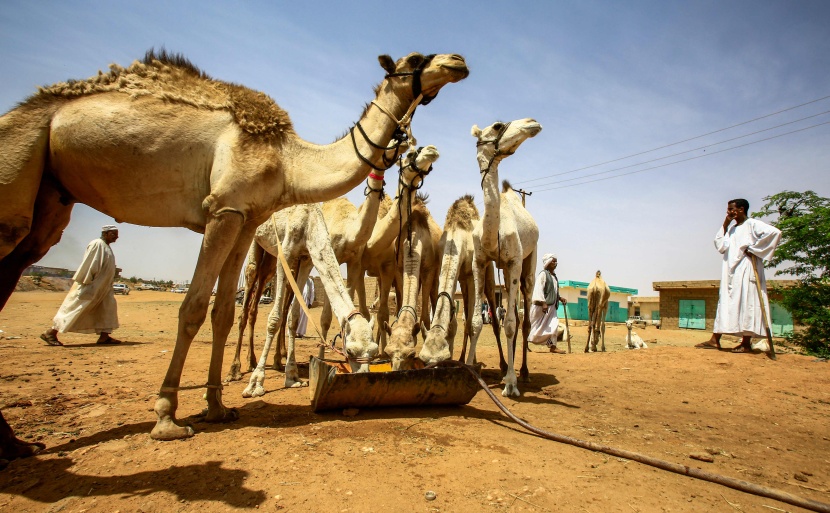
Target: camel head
[
  {"x": 359, "y": 341},
  {"x": 418, "y": 74},
  {"x": 628, "y": 324},
  {"x": 438, "y": 342},
  {"x": 400, "y": 346},
  {"x": 502, "y": 139},
  {"x": 416, "y": 164}
]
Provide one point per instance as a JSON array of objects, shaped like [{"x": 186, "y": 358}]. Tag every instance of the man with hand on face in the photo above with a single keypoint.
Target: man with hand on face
[{"x": 739, "y": 240}]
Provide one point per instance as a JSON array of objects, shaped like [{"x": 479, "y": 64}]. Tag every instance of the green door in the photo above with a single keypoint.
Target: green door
[
  {"x": 613, "y": 314},
  {"x": 782, "y": 321},
  {"x": 581, "y": 310},
  {"x": 692, "y": 314}
]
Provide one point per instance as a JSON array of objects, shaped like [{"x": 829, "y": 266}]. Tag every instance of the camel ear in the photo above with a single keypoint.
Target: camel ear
[
  {"x": 476, "y": 131},
  {"x": 387, "y": 328},
  {"x": 423, "y": 331},
  {"x": 416, "y": 329},
  {"x": 387, "y": 63}
]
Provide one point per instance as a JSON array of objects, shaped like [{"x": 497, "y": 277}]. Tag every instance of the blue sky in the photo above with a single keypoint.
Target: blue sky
[{"x": 606, "y": 80}]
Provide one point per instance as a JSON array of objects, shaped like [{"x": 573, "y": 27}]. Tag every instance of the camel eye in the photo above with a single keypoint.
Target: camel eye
[
  {"x": 498, "y": 126},
  {"x": 415, "y": 60}
]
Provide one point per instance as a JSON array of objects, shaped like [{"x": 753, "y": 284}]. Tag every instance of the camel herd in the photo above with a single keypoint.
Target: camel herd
[{"x": 225, "y": 161}]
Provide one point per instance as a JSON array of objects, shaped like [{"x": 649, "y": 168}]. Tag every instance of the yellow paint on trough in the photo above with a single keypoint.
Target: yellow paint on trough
[{"x": 331, "y": 388}]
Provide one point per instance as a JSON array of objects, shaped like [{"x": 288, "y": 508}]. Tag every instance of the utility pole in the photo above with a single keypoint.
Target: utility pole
[{"x": 523, "y": 193}]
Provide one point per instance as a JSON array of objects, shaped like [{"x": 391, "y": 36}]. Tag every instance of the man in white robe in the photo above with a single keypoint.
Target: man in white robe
[
  {"x": 739, "y": 240},
  {"x": 90, "y": 305},
  {"x": 544, "y": 321},
  {"x": 308, "y": 297}
]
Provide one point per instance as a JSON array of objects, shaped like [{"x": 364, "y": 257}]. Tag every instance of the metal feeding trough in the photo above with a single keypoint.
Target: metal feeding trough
[{"x": 333, "y": 386}]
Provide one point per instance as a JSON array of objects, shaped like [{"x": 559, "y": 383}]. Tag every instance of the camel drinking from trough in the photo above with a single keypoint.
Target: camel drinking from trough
[{"x": 162, "y": 144}]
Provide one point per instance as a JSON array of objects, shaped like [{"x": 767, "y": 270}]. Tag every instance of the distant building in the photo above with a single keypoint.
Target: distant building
[
  {"x": 48, "y": 271},
  {"x": 693, "y": 305},
  {"x": 647, "y": 307},
  {"x": 576, "y": 294}
]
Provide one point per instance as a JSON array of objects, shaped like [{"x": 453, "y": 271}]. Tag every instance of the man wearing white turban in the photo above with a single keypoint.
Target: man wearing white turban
[
  {"x": 90, "y": 305},
  {"x": 543, "y": 317}
]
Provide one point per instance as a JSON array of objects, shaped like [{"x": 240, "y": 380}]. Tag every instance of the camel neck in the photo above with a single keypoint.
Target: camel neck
[
  {"x": 492, "y": 205},
  {"x": 317, "y": 173},
  {"x": 454, "y": 248}
]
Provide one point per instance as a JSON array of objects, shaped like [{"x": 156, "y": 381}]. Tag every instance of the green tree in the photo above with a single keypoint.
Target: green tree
[{"x": 804, "y": 252}]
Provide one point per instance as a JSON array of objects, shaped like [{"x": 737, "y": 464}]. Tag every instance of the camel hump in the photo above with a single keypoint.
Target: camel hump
[
  {"x": 505, "y": 186},
  {"x": 462, "y": 213}
]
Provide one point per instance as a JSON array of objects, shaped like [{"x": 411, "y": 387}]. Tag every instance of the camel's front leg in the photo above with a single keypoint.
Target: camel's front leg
[
  {"x": 325, "y": 317},
  {"x": 475, "y": 316},
  {"x": 292, "y": 372},
  {"x": 256, "y": 383},
  {"x": 495, "y": 323},
  {"x": 527, "y": 283},
  {"x": 602, "y": 334},
  {"x": 222, "y": 233},
  {"x": 250, "y": 294},
  {"x": 511, "y": 388}
]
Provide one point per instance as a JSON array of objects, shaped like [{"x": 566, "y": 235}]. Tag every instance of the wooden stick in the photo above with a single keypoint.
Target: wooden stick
[
  {"x": 567, "y": 327},
  {"x": 771, "y": 352}
]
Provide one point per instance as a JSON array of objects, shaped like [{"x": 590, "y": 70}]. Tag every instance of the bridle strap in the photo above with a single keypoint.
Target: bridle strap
[
  {"x": 496, "y": 151},
  {"x": 410, "y": 309},
  {"x": 416, "y": 80},
  {"x": 452, "y": 308}
]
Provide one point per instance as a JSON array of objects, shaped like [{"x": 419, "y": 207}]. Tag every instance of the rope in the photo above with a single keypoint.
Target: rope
[{"x": 730, "y": 482}]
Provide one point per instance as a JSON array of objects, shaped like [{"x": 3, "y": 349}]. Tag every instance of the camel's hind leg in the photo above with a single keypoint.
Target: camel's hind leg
[
  {"x": 292, "y": 372},
  {"x": 527, "y": 281},
  {"x": 254, "y": 256},
  {"x": 49, "y": 220}
]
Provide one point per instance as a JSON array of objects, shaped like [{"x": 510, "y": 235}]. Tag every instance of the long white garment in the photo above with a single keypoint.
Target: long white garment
[
  {"x": 739, "y": 311},
  {"x": 308, "y": 297},
  {"x": 543, "y": 325},
  {"x": 90, "y": 305}
]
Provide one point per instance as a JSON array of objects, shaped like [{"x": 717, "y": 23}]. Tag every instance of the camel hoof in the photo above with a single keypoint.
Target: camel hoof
[
  {"x": 524, "y": 378},
  {"x": 511, "y": 391},
  {"x": 222, "y": 415},
  {"x": 17, "y": 448},
  {"x": 295, "y": 384},
  {"x": 253, "y": 391},
  {"x": 169, "y": 430},
  {"x": 234, "y": 375}
]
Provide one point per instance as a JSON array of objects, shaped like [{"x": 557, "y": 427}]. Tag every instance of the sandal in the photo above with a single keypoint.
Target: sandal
[
  {"x": 108, "y": 341},
  {"x": 707, "y": 345},
  {"x": 52, "y": 340},
  {"x": 741, "y": 349}
]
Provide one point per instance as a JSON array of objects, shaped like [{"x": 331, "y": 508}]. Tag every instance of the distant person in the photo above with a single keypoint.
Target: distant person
[
  {"x": 739, "y": 310},
  {"x": 544, "y": 321},
  {"x": 308, "y": 297},
  {"x": 500, "y": 313},
  {"x": 485, "y": 313},
  {"x": 90, "y": 305}
]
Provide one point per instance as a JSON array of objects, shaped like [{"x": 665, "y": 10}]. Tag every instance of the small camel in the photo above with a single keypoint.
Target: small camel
[
  {"x": 456, "y": 256},
  {"x": 162, "y": 144},
  {"x": 418, "y": 260},
  {"x": 598, "y": 294},
  {"x": 632, "y": 339},
  {"x": 347, "y": 248},
  {"x": 303, "y": 234},
  {"x": 506, "y": 235}
]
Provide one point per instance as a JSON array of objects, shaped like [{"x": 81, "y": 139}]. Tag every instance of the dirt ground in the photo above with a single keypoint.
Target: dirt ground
[{"x": 762, "y": 421}]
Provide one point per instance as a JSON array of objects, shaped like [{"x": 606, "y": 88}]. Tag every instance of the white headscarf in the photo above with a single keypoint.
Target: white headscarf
[
  {"x": 547, "y": 258},
  {"x": 109, "y": 228}
]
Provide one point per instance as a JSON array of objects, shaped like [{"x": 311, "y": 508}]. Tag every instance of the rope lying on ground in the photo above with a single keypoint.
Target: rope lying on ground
[{"x": 737, "y": 484}]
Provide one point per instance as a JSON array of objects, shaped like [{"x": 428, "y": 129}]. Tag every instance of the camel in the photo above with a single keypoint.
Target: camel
[
  {"x": 302, "y": 231},
  {"x": 632, "y": 339},
  {"x": 418, "y": 261},
  {"x": 506, "y": 235},
  {"x": 456, "y": 257},
  {"x": 352, "y": 229},
  {"x": 598, "y": 294},
  {"x": 160, "y": 143}
]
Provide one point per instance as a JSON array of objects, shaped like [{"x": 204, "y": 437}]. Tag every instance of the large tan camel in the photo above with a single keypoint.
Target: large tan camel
[
  {"x": 162, "y": 144},
  {"x": 418, "y": 261},
  {"x": 305, "y": 240},
  {"x": 349, "y": 239},
  {"x": 456, "y": 256},
  {"x": 598, "y": 294},
  {"x": 506, "y": 235}
]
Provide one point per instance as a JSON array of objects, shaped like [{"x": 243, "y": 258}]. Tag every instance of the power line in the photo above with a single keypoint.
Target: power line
[
  {"x": 687, "y": 151},
  {"x": 683, "y": 160},
  {"x": 673, "y": 144}
]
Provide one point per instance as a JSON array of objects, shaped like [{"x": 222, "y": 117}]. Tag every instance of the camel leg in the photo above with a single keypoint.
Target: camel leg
[
  {"x": 466, "y": 288},
  {"x": 475, "y": 318},
  {"x": 590, "y": 330},
  {"x": 265, "y": 274},
  {"x": 325, "y": 317},
  {"x": 49, "y": 220},
  {"x": 292, "y": 372},
  {"x": 510, "y": 327},
  {"x": 281, "y": 351},
  {"x": 254, "y": 255},
  {"x": 360, "y": 289},
  {"x": 490, "y": 293},
  {"x": 602, "y": 332},
  {"x": 256, "y": 383},
  {"x": 385, "y": 279},
  {"x": 222, "y": 233},
  {"x": 527, "y": 281}
]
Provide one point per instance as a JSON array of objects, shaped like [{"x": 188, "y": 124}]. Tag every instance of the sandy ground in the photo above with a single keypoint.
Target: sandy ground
[{"x": 761, "y": 421}]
